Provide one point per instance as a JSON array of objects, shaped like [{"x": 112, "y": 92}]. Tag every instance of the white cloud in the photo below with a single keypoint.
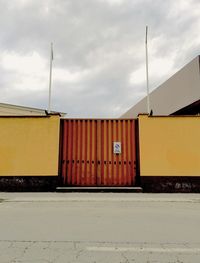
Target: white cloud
[
  {"x": 181, "y": 6},
  {"x": 159, "y": 68},
  {"x": 23, "y": 64},
  {"x": 63, "y": 75},
  {"x": 113, "y": 2},
  {"x": 99, "y": 55},
  {"x": 30, "y": 70}
]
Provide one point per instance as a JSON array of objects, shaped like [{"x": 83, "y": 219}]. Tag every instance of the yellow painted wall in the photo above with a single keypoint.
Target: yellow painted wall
[
  {"x": 29, "y": 146},
  {"x": 169, "y": 146}
]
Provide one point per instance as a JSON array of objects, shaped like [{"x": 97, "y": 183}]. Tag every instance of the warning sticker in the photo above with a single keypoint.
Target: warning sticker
[{"x": 117, "y": 147}]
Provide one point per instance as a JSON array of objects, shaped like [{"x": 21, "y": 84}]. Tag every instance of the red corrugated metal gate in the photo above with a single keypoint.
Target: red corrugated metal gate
[{"x": 98, "y": 152}]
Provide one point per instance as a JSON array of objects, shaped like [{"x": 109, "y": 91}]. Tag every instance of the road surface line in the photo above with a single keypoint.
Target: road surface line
[{"x": 144, "y": 249}]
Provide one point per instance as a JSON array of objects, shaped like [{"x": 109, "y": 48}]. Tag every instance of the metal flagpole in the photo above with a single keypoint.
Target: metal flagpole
[
  {"x": 50, "y": 77},
  {"x": 147, "y": 72}
]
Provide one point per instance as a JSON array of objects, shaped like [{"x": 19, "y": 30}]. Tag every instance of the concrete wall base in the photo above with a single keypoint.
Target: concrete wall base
[
  {"x": 28, "y": 183},
  {"x": 170, "y": 184},
  {"x": 154, "y": 184}
]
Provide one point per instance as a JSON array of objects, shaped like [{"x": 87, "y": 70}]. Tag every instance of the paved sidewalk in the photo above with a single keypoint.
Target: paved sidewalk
[
  {"x": 99, "y": 227},
  {"x": 61, "y": 252}
]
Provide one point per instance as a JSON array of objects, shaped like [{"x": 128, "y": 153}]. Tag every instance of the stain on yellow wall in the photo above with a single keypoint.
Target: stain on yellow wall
[
  {"x": 29, "y": 146},
  {"x": 169, "y": 146}
]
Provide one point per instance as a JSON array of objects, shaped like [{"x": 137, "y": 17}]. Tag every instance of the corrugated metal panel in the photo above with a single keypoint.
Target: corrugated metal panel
[
  {"x": 116, "y": 169},
  {"x": 88, "y": 158},
  {"x": 79, "y": 152}
]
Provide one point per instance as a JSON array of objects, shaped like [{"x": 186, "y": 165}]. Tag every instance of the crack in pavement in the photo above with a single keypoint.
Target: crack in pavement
[{"x": 77, "y": 251}]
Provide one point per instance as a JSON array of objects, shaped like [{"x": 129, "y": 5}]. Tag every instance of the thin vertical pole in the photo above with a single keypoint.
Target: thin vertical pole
[
  {"x": 50, "y": 78},
  {"x": 147, "y": 72}
]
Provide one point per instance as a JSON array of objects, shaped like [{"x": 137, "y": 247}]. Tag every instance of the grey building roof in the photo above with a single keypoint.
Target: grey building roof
[
  {"x": 10, "y": 109},
  {"x": 178, "y": 94}
]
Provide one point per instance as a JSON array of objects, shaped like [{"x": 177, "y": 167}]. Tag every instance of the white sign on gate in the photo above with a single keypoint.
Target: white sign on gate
[{"x": 117, "y": 147}]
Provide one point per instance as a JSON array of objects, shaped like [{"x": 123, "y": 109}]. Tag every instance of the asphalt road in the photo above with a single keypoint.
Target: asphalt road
[{"x": 99, "y": 227}]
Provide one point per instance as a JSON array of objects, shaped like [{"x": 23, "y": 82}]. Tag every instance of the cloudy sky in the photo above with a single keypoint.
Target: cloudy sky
[{"x": 99, "y": 54}]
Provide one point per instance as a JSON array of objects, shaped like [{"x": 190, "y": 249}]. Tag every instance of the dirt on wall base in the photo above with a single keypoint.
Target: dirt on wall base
[
  {"x": 28, "y": 183},
  {"x": 170, "y": 184},
  {"x": 151, "y": 184}
]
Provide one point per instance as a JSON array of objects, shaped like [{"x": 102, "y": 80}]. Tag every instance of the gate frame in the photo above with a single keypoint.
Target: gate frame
[{"x": 137, "y": 147}]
